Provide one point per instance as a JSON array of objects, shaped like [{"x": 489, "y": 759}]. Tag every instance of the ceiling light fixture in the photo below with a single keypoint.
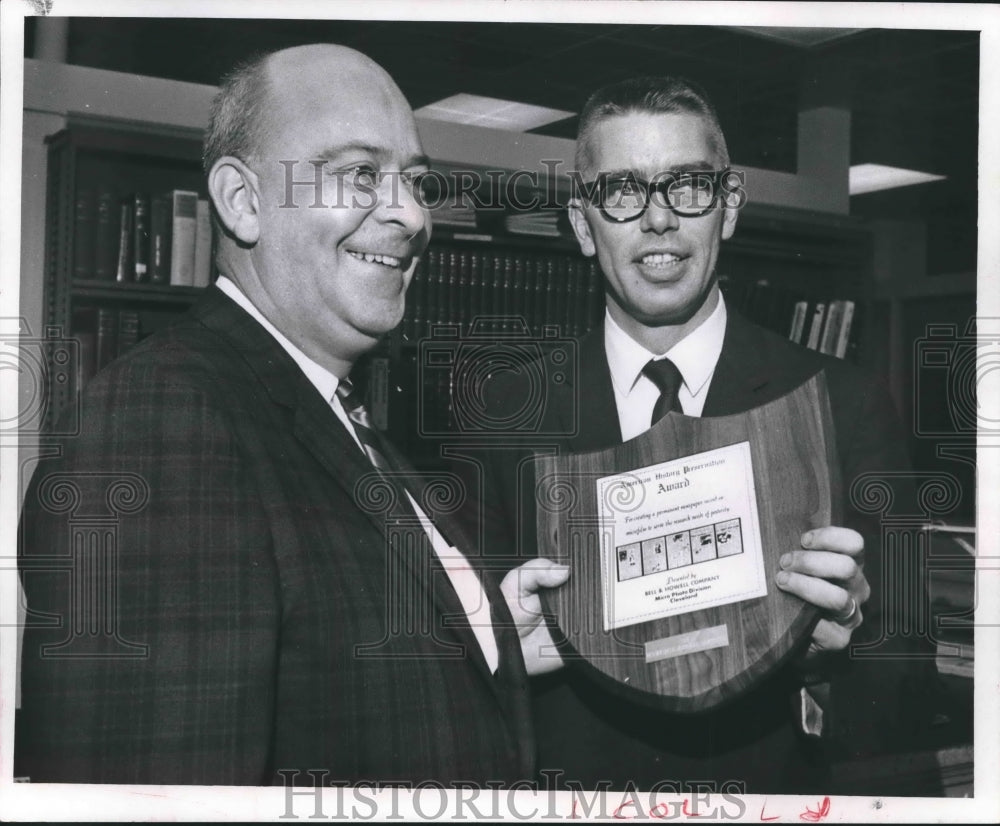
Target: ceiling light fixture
[
  {"x": 493, "y": 113},
  {"x": 872, "y": 177}
]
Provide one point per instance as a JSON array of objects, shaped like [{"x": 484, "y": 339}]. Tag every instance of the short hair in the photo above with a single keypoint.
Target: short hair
[
  {"x": 238, "y": 118},
  {"x": 652, "y": 95}
]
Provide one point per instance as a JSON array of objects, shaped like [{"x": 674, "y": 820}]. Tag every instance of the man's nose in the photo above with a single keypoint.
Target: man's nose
[
  {"x": 398, "y": 204},
  {"x": 658, "y": 217}
]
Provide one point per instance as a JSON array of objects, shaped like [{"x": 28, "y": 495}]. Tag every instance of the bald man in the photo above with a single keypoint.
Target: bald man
[{"x": 283, "y": 602}]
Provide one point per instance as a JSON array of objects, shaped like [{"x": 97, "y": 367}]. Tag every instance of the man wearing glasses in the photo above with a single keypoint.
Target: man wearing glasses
[{"x": 656, "y": 198}]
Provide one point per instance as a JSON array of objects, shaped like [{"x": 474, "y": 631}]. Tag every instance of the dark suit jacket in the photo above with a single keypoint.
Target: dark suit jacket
[
  {"x": 281, "y": 621},
  {"x": 594, "y": 737}
]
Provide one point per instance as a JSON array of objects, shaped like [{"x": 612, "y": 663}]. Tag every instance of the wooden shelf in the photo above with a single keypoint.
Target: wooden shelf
[{"x": 146, "y": 293}]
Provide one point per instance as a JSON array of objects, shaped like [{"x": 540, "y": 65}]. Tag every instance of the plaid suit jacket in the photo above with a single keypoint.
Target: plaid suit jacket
[{"x": 221, "y": 590}]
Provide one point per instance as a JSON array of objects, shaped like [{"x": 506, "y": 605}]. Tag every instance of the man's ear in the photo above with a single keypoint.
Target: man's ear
[
  {"x": 233, "y": 187},
  {"x": 581, "y": 229},
  {"x": 731, "y": 213},
  {"x": 734, "y": 196}
]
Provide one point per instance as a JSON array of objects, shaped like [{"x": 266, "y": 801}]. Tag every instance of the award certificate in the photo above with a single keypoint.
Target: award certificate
[{"x": 680, "y": 536}]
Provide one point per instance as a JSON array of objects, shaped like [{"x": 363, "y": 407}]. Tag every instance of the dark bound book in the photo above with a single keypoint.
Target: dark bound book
[
  {"x": 106, "y": 235},
  {"x": 128, "y": 330},
  {"x": 160, "y": 220},
  {"x": 125, "y": 269},
  {"x": 106, "y": 333},
  {"x": 140, "y": 237},
  {"x": 84, "y": 233},
  {"x": 85, "y": 333}
]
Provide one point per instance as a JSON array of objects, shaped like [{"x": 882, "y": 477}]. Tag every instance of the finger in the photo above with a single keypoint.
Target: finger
[
  {"x": 833, "y": 538},
  {"x": 532, "y": 575},
  {"x": 829, "y": 636},
  {"x": 825, "y": 595},
  {"x": 520, "y": 590},
  {"x": 822, "y": 564},
  {"x": 541, "y": 654}
]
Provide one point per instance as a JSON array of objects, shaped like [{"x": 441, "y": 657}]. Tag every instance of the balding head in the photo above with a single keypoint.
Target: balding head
[{"x": 250, "y": 96}]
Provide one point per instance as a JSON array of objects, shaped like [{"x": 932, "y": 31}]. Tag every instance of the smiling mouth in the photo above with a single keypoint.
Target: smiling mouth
[
  {"x": 661, "y": 260},
  {"x": 377, "y": 258}
]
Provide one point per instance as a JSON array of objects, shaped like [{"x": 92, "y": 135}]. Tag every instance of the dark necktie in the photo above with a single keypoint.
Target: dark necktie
[
  {"x": 367, "y": 435},
  {"x": 665, "y": 375}
]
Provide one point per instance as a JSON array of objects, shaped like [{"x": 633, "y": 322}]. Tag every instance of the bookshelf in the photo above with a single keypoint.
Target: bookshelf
[{"x": 95, "y": 297}]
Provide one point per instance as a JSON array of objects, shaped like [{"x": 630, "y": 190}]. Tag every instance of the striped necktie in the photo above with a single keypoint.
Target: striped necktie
[
  {"x": 367, "y": 435},
  {"x": 665, "y": 375}
]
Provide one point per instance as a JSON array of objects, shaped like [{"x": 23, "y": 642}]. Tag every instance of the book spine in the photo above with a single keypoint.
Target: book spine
[
  {"x": 433, "y": 290},
  {"x": 831, "y": 327},
  {"x": 537, "y": 273},
  {"x": 571, "y": 289},
  {"x": 475, "y": 286},
  {"x": 507, "y": 294},
  {"x": 517, "y": 286},
  {"x": 415, "y": 297},
  {"x": 844, "y": 336},
  {"x": 464, "y": 298},
  {"x": 128, "y": 330},
  {"x": 106, "y": 235},
  {"x": 84, "y": 233},
  {"x": 203, "y": 245},
  {"x": 816, "y": 327},
  {"x": 485, "y": 285},
  {"x": 159, "y": 239},
  {"x": 106, "y": 344},
  {"x": 140, "y": 238},
  {"x": 798, "y": 321},
  {"x": 84, "y": 322},
  {"x": 125, "y": 268},
  {"x": 378, "y": 393},
  {"x": 184, "y": 212},
  {"x": 548, "y": 314},
  {"x": 451, "y": 286},
  {"x": 596, "y": 293}
]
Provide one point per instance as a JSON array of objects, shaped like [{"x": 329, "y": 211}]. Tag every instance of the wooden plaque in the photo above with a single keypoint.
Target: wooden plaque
[{"x": 699, "y": 660}]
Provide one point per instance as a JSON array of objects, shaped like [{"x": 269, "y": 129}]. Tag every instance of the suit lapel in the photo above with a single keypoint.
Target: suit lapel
[
  {"x": 322, "y": 433},
  {"x": 742, "y": 376},
  {"x": 592, "y": 399},
  {"x": 444, "y": 593},
  {"x": 754, "y": 368}
]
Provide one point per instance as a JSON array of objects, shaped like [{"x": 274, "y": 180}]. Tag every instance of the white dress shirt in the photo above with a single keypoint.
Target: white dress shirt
[
  {"x": 463, "y": 578},
  {"x": 695, "y": 356}
]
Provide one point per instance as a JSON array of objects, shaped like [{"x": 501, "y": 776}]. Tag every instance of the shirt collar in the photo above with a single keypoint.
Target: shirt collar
[
  {"x": 695, "y": 355},
  {"x": 321, "y": 378}
]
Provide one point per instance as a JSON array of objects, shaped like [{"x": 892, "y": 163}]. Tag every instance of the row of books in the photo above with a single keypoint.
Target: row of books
[
  {"x": 828, "y": 325},
  {"x": 456, "y": 285},
  {"x": 141, "y": 238}
]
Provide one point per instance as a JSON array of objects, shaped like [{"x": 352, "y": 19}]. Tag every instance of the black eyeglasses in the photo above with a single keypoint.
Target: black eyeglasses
[{"x": 622, "y": 198}]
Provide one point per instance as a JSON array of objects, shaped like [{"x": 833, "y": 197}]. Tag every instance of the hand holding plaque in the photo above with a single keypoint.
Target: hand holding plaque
[{"x": 673, "y": 539}]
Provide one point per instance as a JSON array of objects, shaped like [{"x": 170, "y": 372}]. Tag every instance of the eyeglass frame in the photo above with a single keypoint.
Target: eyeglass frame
[{"x": 593, "y": 191}]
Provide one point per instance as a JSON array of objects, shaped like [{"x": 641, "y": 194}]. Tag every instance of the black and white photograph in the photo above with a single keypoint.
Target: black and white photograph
[{"x": 354, "y": 358}]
